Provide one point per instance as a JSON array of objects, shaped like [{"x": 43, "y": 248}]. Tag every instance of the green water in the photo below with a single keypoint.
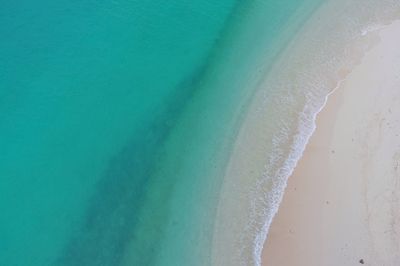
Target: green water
[{"x": 116, "y": 121}]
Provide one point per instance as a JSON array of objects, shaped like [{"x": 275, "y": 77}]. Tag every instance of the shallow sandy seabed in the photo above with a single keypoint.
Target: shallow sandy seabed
[{"x": 342, "y": 204}]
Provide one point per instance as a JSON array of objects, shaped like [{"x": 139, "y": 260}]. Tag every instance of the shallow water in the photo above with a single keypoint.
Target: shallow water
[
  {"x": 281, "y": 119},
  {"x": 116, "y": 122}
]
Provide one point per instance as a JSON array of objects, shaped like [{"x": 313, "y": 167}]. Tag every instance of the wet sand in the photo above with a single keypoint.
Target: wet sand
[{"x": 342, "y": 204}]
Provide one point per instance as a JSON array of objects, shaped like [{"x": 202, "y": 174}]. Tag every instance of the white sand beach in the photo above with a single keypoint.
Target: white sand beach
[{"x": 342, "y": 203}]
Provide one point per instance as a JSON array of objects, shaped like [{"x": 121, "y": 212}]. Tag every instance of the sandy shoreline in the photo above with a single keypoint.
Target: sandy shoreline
[{"x": 342, "y": 204}]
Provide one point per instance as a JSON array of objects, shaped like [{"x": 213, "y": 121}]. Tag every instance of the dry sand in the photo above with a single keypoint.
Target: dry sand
[{"x": 342, "y": 204}]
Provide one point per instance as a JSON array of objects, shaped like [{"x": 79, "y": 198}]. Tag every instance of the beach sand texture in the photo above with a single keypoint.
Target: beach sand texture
[{"x": 342, "y": 203}]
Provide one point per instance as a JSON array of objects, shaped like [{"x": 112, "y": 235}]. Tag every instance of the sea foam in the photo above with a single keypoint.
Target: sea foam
[{"x": 281, "y": 119}]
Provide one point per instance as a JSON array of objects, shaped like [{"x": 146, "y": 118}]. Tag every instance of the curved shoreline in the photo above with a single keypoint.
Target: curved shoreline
[
  {"x": 341, "y": 204},
  {"x": 269, "y": 143}
]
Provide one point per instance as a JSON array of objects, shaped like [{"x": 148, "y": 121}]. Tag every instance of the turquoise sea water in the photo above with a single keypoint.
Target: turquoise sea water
[{"x": 116, "y": 121}]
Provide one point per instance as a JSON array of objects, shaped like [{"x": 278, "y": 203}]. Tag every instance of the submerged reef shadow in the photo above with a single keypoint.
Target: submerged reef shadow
[{"x": 109, "y": 222}]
